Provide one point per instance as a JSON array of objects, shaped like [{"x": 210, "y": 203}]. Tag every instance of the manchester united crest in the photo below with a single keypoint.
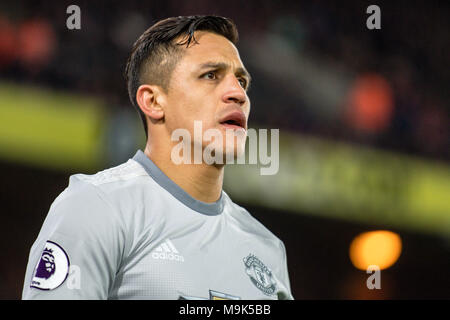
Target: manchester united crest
[{"x": 259, "y": 274}]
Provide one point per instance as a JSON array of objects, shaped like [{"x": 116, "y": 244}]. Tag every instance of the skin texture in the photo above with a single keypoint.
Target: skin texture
[{"x": 195, "y": 93}]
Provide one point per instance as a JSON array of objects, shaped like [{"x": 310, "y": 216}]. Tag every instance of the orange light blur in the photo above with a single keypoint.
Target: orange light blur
[
  {"x": 371, "y": 103},
  {"x": 381, "y": 248}
]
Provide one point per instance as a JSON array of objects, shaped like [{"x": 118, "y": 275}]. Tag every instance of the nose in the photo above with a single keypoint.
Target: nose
[{"x": 234, "y": 92}]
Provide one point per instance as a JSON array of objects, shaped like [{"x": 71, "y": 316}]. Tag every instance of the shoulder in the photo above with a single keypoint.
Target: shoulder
[
  {"x": 116, "y": 177},
  {"x": 103, "y": 186},
  {"x": 96, "y": 196}
]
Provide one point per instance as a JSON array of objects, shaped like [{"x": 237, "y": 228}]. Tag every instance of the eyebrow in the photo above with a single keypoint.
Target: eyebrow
[{"x": 223, "y": 66}]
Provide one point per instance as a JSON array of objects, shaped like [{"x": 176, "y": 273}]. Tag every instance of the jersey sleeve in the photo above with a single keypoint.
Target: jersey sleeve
[
  {"x": 285, "y": 275},
  {"x": 79, "y": 248}
]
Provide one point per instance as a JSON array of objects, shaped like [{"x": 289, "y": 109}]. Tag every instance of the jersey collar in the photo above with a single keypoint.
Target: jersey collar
[{"x": 164, "y": 181}]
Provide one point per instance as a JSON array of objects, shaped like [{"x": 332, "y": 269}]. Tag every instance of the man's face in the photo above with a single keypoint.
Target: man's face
[{"x": 209, "y": 85}]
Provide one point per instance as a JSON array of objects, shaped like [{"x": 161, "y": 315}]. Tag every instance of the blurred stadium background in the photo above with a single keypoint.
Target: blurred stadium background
[{"x": 363, "y": 118}]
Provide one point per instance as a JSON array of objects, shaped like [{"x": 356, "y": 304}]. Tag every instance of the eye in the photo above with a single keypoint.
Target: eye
[
  {"x": 243, "y": 82},
  {"x": 211, "y": 75}
]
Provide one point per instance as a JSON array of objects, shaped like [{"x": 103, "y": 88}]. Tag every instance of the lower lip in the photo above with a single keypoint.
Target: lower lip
[{"x": 232, "y": 126}]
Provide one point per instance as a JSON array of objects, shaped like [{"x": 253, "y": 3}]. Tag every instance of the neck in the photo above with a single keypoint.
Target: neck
[{"x": 203, "y": 182}]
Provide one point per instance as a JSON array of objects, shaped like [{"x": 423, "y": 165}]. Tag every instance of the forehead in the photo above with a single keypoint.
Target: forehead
[{"x": 211, "y": 47}]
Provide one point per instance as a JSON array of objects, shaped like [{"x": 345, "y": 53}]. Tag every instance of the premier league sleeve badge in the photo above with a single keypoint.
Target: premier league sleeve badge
[{"x": 52, "y": 268}]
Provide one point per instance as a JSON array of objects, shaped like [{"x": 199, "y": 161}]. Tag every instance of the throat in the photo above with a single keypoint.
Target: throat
[{"x": 201, "y": 181}]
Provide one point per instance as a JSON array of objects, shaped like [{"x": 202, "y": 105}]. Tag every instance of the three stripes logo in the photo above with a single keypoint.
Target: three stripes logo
[{"x": 167, "y": 251}]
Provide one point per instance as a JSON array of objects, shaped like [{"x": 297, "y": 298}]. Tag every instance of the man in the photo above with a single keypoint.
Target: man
[{"x": 154, "y": 228}]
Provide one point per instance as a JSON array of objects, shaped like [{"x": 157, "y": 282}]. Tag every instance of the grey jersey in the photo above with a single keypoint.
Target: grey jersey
[{"x": 130, "y": 232}]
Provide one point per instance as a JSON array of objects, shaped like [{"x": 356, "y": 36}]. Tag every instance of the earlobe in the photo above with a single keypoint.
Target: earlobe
[{"x": 148, "y": 98}]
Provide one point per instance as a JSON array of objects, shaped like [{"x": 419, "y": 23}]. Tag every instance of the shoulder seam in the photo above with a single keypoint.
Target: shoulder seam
[{"x": 111, "y": 176}]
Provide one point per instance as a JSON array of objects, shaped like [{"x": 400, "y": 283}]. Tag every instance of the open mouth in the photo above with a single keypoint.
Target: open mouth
[{"x": 234, "y": 120}]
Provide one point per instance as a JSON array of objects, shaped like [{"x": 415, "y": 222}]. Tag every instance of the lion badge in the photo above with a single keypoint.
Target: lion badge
[{"x": 52, "y": 268}]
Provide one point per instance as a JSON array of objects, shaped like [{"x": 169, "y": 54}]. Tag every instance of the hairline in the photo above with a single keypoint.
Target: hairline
[{"x": 179, "y": 50}]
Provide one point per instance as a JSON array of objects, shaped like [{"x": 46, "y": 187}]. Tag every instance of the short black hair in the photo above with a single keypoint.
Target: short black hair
[{"x": 154, "y": 54}]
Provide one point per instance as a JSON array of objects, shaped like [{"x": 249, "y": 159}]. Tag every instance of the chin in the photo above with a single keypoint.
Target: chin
[
  {"x": 224, "y": 154},
  {"x": 233, "y": 152}
]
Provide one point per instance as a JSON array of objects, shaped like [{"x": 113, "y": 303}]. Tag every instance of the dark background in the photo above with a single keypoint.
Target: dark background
[{"x": 410, "y": 52}]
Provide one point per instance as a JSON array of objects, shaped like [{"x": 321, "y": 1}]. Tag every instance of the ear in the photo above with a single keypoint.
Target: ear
[{"x": 151, "y": 100}]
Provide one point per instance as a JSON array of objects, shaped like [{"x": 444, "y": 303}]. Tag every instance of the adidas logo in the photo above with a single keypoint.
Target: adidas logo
[{"x": 167, "y": 251}]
